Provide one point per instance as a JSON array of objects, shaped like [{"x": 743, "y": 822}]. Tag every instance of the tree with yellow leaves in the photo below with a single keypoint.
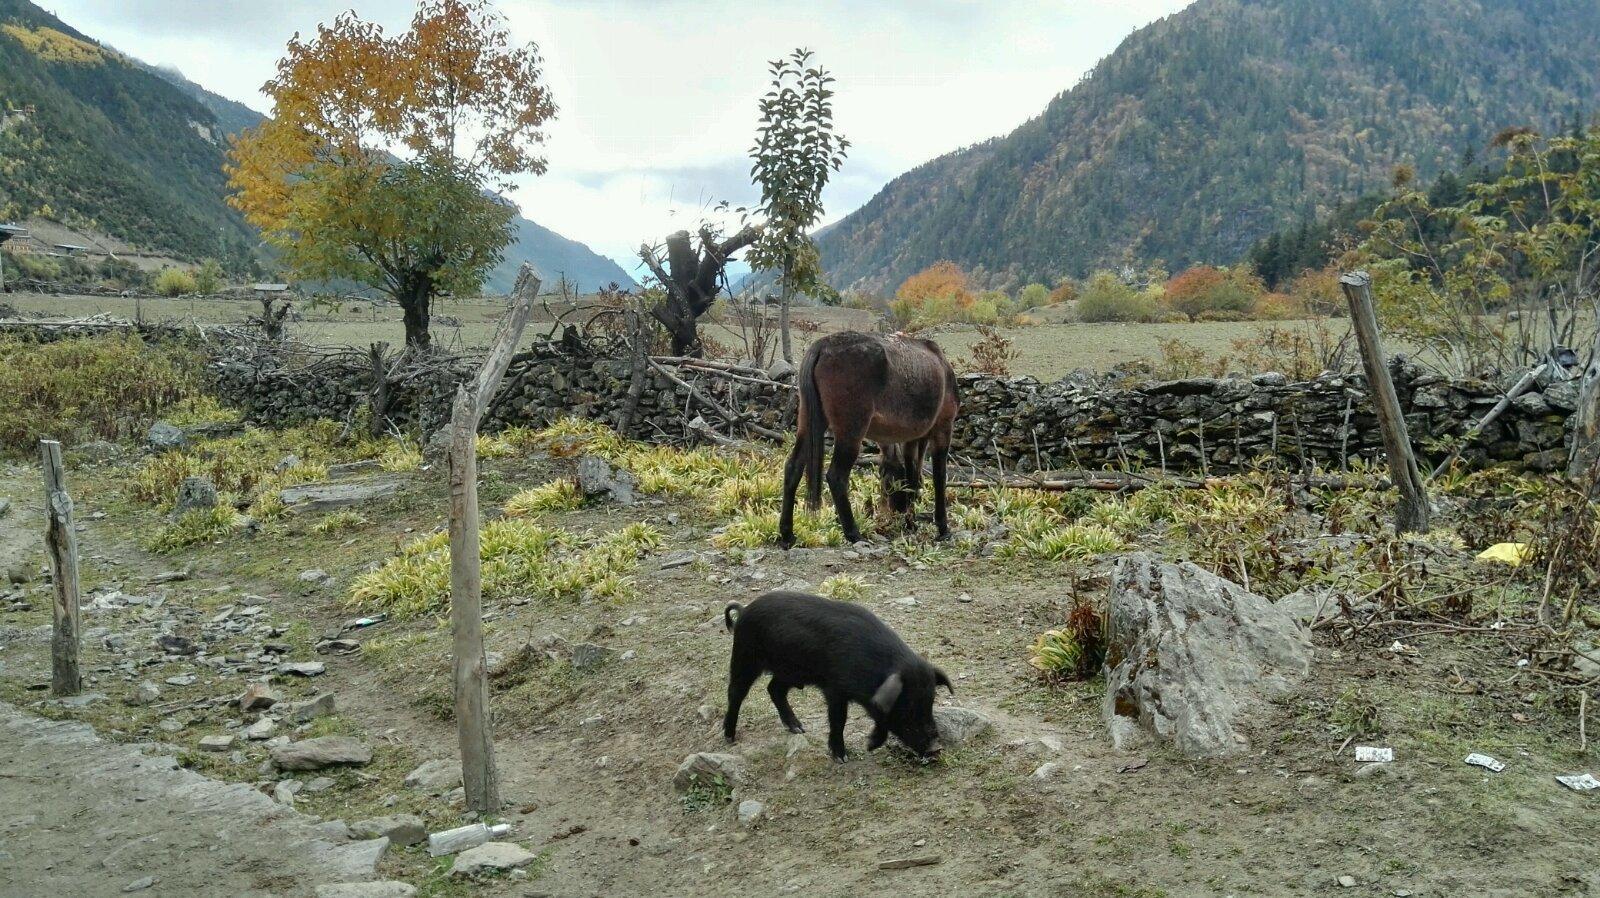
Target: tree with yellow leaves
[{"x": 384, "y": 154}]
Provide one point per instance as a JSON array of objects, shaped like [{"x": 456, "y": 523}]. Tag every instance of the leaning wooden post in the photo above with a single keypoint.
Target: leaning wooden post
[
  {"x": 1412, "y": 514},
  {"x": 61, "y": 542},
  {"x": 473, "y": 729},
  {"x": 1586, "y": 427}
]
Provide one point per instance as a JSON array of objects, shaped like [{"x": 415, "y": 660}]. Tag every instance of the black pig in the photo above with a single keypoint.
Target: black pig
[{"x": 845, "y": 651}]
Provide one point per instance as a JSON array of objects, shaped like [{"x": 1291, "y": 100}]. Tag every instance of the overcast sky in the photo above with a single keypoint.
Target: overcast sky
[{"x": 658, "y": 97}]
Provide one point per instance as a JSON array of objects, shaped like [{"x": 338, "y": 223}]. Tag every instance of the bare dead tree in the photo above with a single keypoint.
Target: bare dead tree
[
  {"x": 692, "y": 279},
  {"x": 272, "y": 316}
]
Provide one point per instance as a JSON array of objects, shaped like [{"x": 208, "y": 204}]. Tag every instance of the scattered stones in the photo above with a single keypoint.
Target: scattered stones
[
  {"x": 750, "y": 812},
  {"x": 1197, "y": 655},
  {"x": 399, "y": 829},
  {"x": 708, "y": 768},
  {"x": 165, "y": 437},
  {"x": 257, "y": 697},
  {"x": 435, "y": 776},
  {"x": 194, "y": 494},
  {"x": 388, "y": 888},
  {"x": 218, "y": 743},
  {"x": 321, "y": 752},
  {"x": 491, "y": 857},
  {"x": 303, "y": 668},
  {"x": 307, "y": 711},
  {"x": 960, "y": 725}
]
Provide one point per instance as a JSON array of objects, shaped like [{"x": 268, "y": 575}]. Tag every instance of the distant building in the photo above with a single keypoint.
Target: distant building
[{"x": 71, "y": 249}]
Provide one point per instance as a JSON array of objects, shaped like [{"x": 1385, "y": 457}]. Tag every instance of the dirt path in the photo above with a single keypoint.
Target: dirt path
[{"x": 83, "y": 817}]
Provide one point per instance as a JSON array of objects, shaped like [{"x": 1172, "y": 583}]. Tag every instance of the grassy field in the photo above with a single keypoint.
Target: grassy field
[{"x": 1046, "y": 351}]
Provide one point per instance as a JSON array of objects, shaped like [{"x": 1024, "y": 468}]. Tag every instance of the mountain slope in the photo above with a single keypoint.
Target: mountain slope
[
  {"x": 1212, "y": 127},
  {"x": 98, "y": 142}
]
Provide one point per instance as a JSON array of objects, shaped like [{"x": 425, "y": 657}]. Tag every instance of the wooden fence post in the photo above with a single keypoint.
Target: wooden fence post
[
  {"x": 1586, "y": 429},
  {"x": 1412, "y": 514},
  {"x": 61, "y": 542},
  {"x": 474, "y": 731}
]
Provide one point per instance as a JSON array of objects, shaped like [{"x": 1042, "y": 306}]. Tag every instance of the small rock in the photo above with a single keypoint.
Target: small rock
[
  {"x": 325, "y": 751},
  {"x": 750, "y": 811},
  {"x": 588, "y": 656},
  {"x": 182, "y": 680},
  {"x": 163, "y": 437},
  {"x": 194, "y": 494},
  {"x": 909, "y": 862},
  {"x": 797, "y": 743},
  {"x": 706, "y": 768},
  {"x": 288, "y": 463},
  {"x": 677, "y": 559},
  {"x": 147, "y": 693},
  {"x": 307, "y": 711},
  {"x": 319, "y": 784},
  {"x": 400, "y": 829},
  {"x": 959, "y": 725},
  {"x": 219, "y": 743},
  {"x": 261, "y": 730},
  {"x": 257, "y": 697},
  {"x": 316, "y": 577},
  {"x": 303, "y": 668},
  {"x": 140, "y": 884},
  {"x": 334, "y": 830},
  {"x": 491, "y": 856},
  {"x": 435, "y": 776},
  {"x": 386, "y": 889},
  {"x": 1046, "y": 771},
  {"x": 285, "y": 791},
  {"x": 1347, "y": 882},
  {"x": 781, "y": 369},
  {"x": 173, "y": 644}
]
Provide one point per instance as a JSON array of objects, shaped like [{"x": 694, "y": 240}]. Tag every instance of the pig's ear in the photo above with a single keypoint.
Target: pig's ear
[
  {"x": 939, "y": 679},
  {"x": 888, "y": 693}
]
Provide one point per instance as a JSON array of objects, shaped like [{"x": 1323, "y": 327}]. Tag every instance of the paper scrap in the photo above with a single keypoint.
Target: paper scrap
[
  {"x": 1486, "y": 762},
  {"x": 1370, "y": 754},
  {"x": 1579, "y": 782}
]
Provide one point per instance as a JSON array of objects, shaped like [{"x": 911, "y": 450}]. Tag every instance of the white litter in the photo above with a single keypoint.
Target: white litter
[
  {"x": 1486, "y": 762},
  {"x": 1370, "y": 754},
  {"x": 1579, "y": 782}
]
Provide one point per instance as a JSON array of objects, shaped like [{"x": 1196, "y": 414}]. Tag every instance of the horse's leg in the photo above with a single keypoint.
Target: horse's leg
[
  {"x": 913, "y": 489},
  {"x": 846, "y": 449},
  {"x": 793, "y": 470},
  {"x": 941, "y": 465},
  {"x": 891, "y": 475}
]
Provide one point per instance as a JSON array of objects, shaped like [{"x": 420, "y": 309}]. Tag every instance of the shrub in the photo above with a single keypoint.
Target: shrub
[
  {"x": 202, "y": 525},
  {"x": 557, "y": 495},
  {"x": 88, "y": 388},
  {"x": 1075, "y": 651},
  {"x": 1318, "y": 292},
  {"x": 1204, "y": 290},
  {"x": 1033, "y": 296},
  {"x": 844, "y": 588},
  {"x": 1066, "y": 291},
  {"x": 208, "y": 278},
  {"x": 1278, "y": 307},
  {"x": 174, "y": 282},
  {"x": 993, "y": 353},
  {"x": 1105, "y": 298}
]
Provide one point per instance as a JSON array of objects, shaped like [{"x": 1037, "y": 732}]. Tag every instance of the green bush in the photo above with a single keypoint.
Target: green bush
[
  {"x": 1033, "y": 296},
  {"x": 1106, "y": 298},
  {"x": 174, "y": 282},
  {"x": 88, "y": 388},
  {"x": 208, "y": 279}
]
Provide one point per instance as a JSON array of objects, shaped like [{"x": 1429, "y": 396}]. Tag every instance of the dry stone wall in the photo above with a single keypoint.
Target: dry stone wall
[{"x": 1198, "y": 424}]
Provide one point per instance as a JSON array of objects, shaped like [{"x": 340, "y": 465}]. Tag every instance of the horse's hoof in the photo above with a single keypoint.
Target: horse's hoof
[
  {"x": 854, "y": 538},
  {"x": 943, "y": 537},
  {"x": 786, "y": 543}
]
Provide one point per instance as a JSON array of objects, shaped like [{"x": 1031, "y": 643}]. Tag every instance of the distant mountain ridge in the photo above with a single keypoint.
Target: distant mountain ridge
[
  {"x": 136, "y": 150},
  {"x": 1219, "y": 124}
]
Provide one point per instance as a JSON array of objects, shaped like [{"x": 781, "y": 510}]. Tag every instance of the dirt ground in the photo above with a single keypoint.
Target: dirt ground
[{"x": 587, "y": 757}]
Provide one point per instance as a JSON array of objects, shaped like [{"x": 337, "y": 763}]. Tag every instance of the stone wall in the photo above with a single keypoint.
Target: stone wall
[{"x": 1198, "y": 424}]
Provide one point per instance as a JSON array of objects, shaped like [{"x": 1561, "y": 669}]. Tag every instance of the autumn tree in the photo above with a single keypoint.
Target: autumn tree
[
  {"x": 1204, "y": 289},
  {"x": 941, "y": 292},
  {"x": 796, "y": 150},
  {"x": 384, "y": 155}
]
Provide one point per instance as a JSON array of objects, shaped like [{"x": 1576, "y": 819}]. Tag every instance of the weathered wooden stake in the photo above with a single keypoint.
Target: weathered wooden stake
[
  {"x": 473, "y": 728},
  {"x": 1412, "y": 514},
  {"x": 61, "y": 542},
  {"x": 1586, "y": 429}
]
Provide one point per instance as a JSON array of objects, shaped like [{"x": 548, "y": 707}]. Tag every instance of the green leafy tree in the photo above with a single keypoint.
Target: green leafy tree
[
  {"x": 796, "y": 150},
  {"x": 208, "y": 277}
]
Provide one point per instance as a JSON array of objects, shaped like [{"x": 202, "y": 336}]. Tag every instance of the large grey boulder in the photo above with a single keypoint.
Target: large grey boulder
[
  {"x": 324, "y": 751},
  {"x": 165, "y": 437},
  {"x": 1191, "y": 656},
  {"x": 597, "y": 479}
]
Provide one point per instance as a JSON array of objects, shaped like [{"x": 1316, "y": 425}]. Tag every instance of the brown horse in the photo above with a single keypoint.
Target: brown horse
[{"x": 899, "y": 392}]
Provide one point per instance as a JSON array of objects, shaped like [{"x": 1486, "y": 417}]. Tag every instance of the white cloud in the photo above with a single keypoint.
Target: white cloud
[{"x": 658, "y": 97}]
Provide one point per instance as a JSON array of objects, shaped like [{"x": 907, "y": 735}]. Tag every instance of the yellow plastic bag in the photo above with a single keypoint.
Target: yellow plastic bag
[{"x": 1513, "y": 554}]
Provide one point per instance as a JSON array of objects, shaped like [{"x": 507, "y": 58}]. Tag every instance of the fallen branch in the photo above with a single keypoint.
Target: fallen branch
[{"x": 715, "y": 406}]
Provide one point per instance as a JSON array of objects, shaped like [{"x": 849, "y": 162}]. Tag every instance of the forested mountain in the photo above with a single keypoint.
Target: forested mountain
[
  {"x": 99, "y": 142},
  {"x": 104, "y": 142},
  {"x": 1215, "y": 126}
]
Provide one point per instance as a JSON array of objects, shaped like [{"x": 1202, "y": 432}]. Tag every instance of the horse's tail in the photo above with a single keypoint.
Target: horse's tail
[
  {"x": 730, "y": 614},
  {"x": 813, "y": 428}
]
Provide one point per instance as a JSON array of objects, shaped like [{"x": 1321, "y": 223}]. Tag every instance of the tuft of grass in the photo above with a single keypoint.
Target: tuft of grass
[
  {"x": 755, "y": 529},
  {"x": 707, "y": 795},
  {"x": 1075, "y": 651},
  {"x": 198, "y": 526},
  {"x": 1354, "y": 715},
  {"x": 400, "y": 457},
  {"x": 843, "y": 587},
  {"x": 557, "y": 495},
  {"x": 520, "y": 558},
  {"x": 1043, "y": 536},
  {"x": 339, "y": 522}
]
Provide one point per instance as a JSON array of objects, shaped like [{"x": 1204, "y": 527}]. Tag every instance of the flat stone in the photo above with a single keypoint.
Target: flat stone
[
  {"x": 960, "y": 725},
  {"x": 387, "y": 888},
  {"x": 435, "y": 776},
  {"x": 750, "y": 812},
  {"x": 307, "y": 711},
  {"x": 147, "y": 693},
  {"x": 163, "y": 437},
  {"x": 324, "y": 751},
  {"x": 329, "y": 496},
  {"x": 139, "y": 885},
  {"x": 218, "y": 743},
  {"x": 708, "y": 768},
  {"x": 257, "y": 697},
  {"x": 303, "y": 668},
  {"x": 261, "y": 730},
  {"x": 492, "y": 856},
  {"x": 588, "y": 656},
  {"x": 399, "y": 829}
]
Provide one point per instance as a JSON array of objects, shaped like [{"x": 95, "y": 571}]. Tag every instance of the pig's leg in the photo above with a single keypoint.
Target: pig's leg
[
  {"x": 742, "y": 675},
  {"x": 880, "y": 735},
  {"x": 779, "y": 691},
  {"x": 838, "y": 711}
]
